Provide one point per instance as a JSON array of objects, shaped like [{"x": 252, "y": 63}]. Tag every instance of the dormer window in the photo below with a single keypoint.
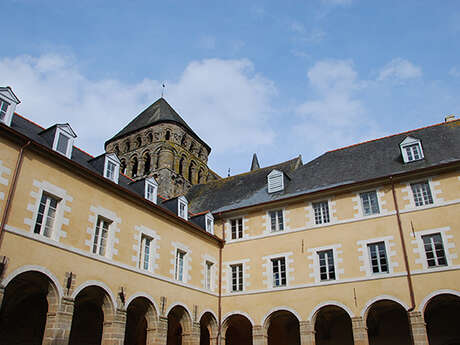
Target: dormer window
[
  {"x": 63, "y": 140},
  {"x": 275, "y": 181},
  {"x": 8, "y": 102},
  {"x": 151, "y": 187},
  {"x": 210, "y": 223},
  {"x": 411, "y": 150},
  {"x": 111, "y": 167},
  {"x": 182, "y": 207}
]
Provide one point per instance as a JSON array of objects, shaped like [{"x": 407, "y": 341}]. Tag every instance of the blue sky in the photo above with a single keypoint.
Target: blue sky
[{"x": 272, "y": 77}]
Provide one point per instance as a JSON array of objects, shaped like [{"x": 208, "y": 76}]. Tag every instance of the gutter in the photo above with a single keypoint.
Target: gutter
[
  {"x": 219, "y": 305},
  {"x": 14, "y": 181},
  {"x": 403, "y": 243}
]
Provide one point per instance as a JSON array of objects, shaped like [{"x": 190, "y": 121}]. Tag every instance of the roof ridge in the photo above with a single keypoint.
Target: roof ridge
[
  {"x": 25, "y": 118},
  {"x": 386, "y": 136}
]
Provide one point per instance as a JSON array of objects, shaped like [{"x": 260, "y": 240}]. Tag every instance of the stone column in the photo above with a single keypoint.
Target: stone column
[
  {"x": 193, "y": 336},
  {"x": 259, "y": 336},
  {"x": 418, "y": 328},
  {"x": 140, "y": 166},
  {"x": 158, "y": 335},
  {"x": 2, "y": 293},
  {"x": 59, "y": 323},
  {"x": 307, "y": 333},
  {"x": 113, "y": 332},
  {"x": 360, "y": 336}
]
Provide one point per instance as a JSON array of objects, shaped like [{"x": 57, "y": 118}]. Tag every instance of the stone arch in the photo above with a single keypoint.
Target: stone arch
[
  {"x": 28, "y": 290},
  {"x": 332, "y": 323},
  {"x": 94, "y": 310},
  {"x": 116, "y": 149},
  {"x": 192, "y": 172},
  {"x": 369, "y": 303},
  {"x": 149, "y": 137},
  {"x": 200, "y": 177},
  {"x": 123, "y": 166},
  {"x": 141, "y": 321},
  {"x": 147, "y": 162},
  {"x": 237, "y": 329},
  {"x": 387, "y": 321},
  {"x": 280, "y": 308},
  {"x": 179, "y": 324},
  {"x": 138, "y": 141},
  {"x": 167, "y": 134},
  {"x": 440, "y": 314},
  {"x": 282, "y": 325},
  {"x": 181, "y": 166},
  {"x": 208, "y": 328},
  {"x": 427, "y": 298},
  {"x": 134, "y": 163},
  {"x": 127, "y": 145}
]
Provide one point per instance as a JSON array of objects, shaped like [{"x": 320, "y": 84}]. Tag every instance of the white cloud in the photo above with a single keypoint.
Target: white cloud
[
  {"x": 454, "y": 72},
  {"x": 399, "y": 69},
  {"x": 336, "y": 117},
  {"x": 224, "y": 101}
]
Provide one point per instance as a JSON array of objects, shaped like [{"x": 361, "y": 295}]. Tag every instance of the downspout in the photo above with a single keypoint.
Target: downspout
[
  {"x": 219, "y": 306},
  {"x": 17, "y": 169},
  {"x": 403, "y": 243}
]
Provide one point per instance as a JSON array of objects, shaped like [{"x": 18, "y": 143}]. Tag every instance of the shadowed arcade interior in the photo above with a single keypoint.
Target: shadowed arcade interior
[
  {"x": 333, "y": 326},
  {"x": 441, "y": 318}
]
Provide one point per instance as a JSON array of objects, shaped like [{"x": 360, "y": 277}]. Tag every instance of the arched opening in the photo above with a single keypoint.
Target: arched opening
[
  {"x": 134, "y": 166},
  {"x": 182, "y": 166},
  {"x": 146, "y": 159},
  {"x": 192, "y": 147},
  {"x": 387, "y": 323},
  {"x": 183, "y": 140},
  {"x": 139, "y": 141},
  {"x": 208, "y": 328},
  {"x": 179, "y": 322},
  {"x": 140, "y": 317},
  {"x": 150, "y": 137},
  {"x": 201, "y": 176},
  {"x": 167, "y": 135},
  {"x": 441, "y": 318},
  {"x": 282, "y": 328},
  {"x": 25, "y": 307},
  {"x": 191, "y": 172},
  {"x": 127, "y": 146},
  {"x": 92, "y": 306},
  {"x": 123, "y": 166},
  {"x": 238, "y": 330},
  {"x": 333, "y": 326},
  {"x": 117, "y": 150}
]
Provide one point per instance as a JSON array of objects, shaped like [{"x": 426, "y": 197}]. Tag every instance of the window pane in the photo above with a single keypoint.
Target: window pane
[{"x": 62, "y": 143}]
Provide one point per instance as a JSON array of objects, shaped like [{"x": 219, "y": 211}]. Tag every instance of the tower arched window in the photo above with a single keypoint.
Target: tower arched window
[
  {"x": 135, "y": 164},
  {"x": 127, "y": 146},
  {"x": 191, "y": 172},
  {"x": 150, "y": 137},
  {"x": 139, "y": 141},
  {"x": 123, "y": 166},
  {"x": 200, "y": 176},
  {"x": 146, "y": 163},
  {"x": 167, "y": 135},
  {"x": 182, "y": 142},
  {"x": 117, "y": 150},
  {"x": 192, "y": 147},
  {"x": 181, "y": 166}
]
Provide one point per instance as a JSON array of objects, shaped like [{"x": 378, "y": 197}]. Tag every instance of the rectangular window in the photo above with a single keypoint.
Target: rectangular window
[
  {"x": 150, "y": 193},
  {"x": 63, "y": 142},
  {"x": 100, "y": 236},
  {"x": 276, "y": 220},
  {"x": 110, "y": 172},
  {"x": 179, "y": 274},
  {"x": 210, "y": 225},
  {"x": 279, "y": 272},
  {"x": 208, "y": 280},
  {"x": 326, "y": 265},
  {"x": 370, "y": 203},
  {"x": 182, "y": 208},
  {"x": 237, "y": 277},
  {"x": 321, "y": 212},
  {"x": 413, "y": 152},
  {"x": 422, "y": 193},
  {"x": 3, "y": 109},
  {"x": 378, "y": 257},
  {"x": 46, "y": 215},
  {"x": 146, "y": 253},
  {"x": 434, "y": 250},
  {"x": 237, "y": 228}
]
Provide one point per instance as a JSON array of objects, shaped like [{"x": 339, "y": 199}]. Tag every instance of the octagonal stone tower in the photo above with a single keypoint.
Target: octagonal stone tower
[{"x": 159, "y": 143}]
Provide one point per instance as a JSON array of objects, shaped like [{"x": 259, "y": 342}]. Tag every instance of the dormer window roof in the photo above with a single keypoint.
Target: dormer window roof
[
  {"x": 8, "y": 102},
  {"x": 151, "y": 188},
  {"x": 275, "y": 181},
  {"x": 111, "y": 167},
  {"x": 64, "y": 137},
  {"x": 182, "y": 207},
  {"x": 209, "y": 223},
  {"x": 411, "y": 149}
]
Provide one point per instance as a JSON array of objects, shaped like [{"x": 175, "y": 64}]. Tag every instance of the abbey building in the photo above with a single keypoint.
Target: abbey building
[{"x": 146, "y": 245}]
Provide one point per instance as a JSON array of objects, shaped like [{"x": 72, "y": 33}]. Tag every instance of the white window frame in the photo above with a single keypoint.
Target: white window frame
[
  {"x": 151, "y": 255},
  {"x": 7, "y": 96},
  {"x": 97, "y": 239},
  {"x": 430, "y": 190},
  {"x": 436, "y": 258},
  {"x": 330, "y": 252},
  {"x": 111, "y": 158},
  {"x": 46, "y": 214},
  {"x": 370, "y": 204},
  {"x": 208, "y": 275},
  {"x": 182, "y": 201},
  {"x": 379, "y": 258},
  {"x": 276, "y": 227},
  {"x": 239, "y": 286},
  {"x": 151, "y": 195},
  {"x": 4, "y": 112},
  {"x": 180, "y": 262},
  {"x": 276, "y": 265},
  {"x": 411, "y": 142},
  {"x": 209, "y": 221},
  {"x": 238, "y": 229},
  {"x": 321, "y": 213},
  {"x": 275, "y": 181},
  {"x": 66, "y": 131}
]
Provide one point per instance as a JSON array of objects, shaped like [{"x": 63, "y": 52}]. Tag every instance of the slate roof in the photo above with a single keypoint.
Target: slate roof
[
  {"x": 365, "y": 161},
  {"x": 158, "y": 112}
]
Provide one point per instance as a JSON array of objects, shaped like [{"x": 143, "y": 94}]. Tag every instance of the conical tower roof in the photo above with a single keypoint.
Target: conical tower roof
[{"x": 158, "y": 112}]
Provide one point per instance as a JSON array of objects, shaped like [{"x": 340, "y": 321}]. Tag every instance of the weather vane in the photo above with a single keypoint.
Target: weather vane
[{"x": 163, "y": 89}]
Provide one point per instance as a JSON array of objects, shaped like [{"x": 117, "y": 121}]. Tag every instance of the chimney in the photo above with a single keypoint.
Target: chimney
[{"x": 449, "y": 118}]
